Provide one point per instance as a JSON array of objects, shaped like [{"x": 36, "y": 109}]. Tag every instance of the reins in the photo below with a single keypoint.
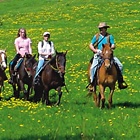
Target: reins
[{"x": 57, "y": 67}]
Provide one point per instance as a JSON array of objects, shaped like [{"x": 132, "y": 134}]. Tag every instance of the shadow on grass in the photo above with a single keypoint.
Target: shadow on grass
[
  {"x": 127, "y": 104},
  {"x": 93, "y": 136}
]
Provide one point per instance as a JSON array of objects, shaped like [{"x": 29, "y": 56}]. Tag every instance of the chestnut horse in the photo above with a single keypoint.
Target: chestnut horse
[
  {"x": 106, "y": 77},
  {"x": 24, "y": 76},
  {"x": 3, "y": 66},
  {"x": 52, "y": 77}
]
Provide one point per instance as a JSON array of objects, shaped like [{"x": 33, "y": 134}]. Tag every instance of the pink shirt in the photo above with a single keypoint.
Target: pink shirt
[{"x": 23, "y": 46}]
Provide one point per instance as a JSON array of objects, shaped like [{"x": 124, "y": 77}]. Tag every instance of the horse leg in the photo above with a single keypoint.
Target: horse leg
[
  {"x": 38, "y": 93},
  {"x": 46, "y": 96},
  {"x": 110, "y": 98},
  {"x": 26, "y": 93},
  {"x": 16, "y": 93},
  {"x": 102, "y": 89},
  {"x": 21, "y": 87},
  {"x": 59, "y": 94},
  {"x": 43, "y": 97},
  {"x": 95, "y": 97},
  {"x": 98, "y": 100}
]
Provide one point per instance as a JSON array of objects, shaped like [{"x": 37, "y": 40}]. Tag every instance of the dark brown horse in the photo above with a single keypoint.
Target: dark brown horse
[
  {"x": 3, "y": 66},
  {"x": 52, "y": 77},
  {"x": 106, "y": 77},
  {"x": 23, "y": 76}
]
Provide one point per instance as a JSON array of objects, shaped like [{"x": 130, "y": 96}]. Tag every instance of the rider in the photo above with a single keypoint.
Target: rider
[
  {"x": 45, "y": 50},
  {"x": 22, "y": 46},
  {"x": 96, "y": 46}
]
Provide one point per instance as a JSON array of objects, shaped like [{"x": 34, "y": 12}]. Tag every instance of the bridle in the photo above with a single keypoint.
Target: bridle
[
  {"x": 110, "y": 59},
  {"x": 3, "y": 63},
  {"x": 57, "y": 68},
  {"x": 28, "y": 69}
]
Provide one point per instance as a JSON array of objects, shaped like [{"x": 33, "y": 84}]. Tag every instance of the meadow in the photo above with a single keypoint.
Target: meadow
[{"x": 72, "y": 25}]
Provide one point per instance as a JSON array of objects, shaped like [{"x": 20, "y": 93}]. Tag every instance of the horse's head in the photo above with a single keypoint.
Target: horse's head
[
  {"x": 3, "y": 59},
  {"x": 107, "y": 55},
  {"x": 29, "y": 61},
  {"x": 60, "y": 62}
]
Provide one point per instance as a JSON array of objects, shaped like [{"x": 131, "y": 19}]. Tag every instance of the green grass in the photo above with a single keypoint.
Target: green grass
[{"x": 72, "y": 25}]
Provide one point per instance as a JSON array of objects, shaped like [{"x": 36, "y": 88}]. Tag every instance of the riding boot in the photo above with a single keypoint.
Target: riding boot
[
  {"x": 91, "y": 86},
  {"x": 121, "y": 83}
]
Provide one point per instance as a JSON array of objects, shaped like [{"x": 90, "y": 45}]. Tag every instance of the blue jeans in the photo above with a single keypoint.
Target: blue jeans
[
  {"x": 39, "y": 67},
  {"x": 95, "y": 62}
]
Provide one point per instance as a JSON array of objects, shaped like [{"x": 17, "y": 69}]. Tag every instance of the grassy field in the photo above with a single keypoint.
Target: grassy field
[{"x": 72, "y": 25}]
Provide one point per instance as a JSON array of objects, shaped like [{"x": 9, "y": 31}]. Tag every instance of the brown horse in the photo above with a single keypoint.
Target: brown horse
[
  {"x": 3, "y": 66},
  {"x": 52, "y": 77},
  {"x": 23, "y": 76},
  {"x": 106, "y": 77}
]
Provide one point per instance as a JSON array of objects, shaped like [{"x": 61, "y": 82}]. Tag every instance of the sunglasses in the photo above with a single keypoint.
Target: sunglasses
[{"x": 46, "y": 35}]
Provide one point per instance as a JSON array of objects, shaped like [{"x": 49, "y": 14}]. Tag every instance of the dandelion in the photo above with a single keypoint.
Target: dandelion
[
  {"x": 96, "y": 127},
  {"x": 123, "y": 134},
  {"x": 77, "y": 127},
  {"x": 112, "y": 113},
  {"x": 38, "y": 121},
  {"x": 21, "y": 125}
]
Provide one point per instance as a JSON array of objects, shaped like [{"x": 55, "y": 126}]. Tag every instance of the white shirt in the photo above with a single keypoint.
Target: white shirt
[{"x": 46, "y": 48}]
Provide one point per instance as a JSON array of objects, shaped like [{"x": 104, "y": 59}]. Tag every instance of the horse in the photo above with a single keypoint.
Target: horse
[
  {"x": 106, "y": 77},
  {"x": 23, "y": 76},
  {"x": 52, "y": 77},
  {"x": 3, "y": 66}
]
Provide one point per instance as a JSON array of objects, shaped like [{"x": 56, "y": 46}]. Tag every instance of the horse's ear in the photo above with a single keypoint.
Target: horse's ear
[
  {"x": 56, "y": 51},
  {"x": 34, "y": 56},
  {"x": 66, "y": 52},
  {"x": 25, "y": 55}
]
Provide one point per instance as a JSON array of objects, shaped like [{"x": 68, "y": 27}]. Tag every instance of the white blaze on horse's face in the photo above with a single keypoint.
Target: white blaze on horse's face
[
  {"x": 107, "y": 60},
  {"x": 106, "y": 52},
  {"x": 29, "y": 73},
  {"x": 3, "y": 63}
]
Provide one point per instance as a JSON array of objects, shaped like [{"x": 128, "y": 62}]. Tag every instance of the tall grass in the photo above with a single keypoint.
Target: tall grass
[{"x": 72, "y": 25}]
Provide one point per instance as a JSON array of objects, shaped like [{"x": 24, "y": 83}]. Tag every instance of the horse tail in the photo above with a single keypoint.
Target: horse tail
[
  {"x": 2, "y": 87},
  {"x": 88, "y": 72},
  {"x": 66, "y": 89}
]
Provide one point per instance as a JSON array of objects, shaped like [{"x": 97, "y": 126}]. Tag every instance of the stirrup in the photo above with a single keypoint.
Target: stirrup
[
  {"x": 10, "y": 81},
  {"x": 90, "y": 87},
  {"x": 14, "y": 74},
  {"x": 121, "y": 86},
  {"x": 37, "y": 80}
]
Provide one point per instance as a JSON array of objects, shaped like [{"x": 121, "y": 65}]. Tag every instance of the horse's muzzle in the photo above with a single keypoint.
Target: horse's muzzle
[{"x": 107, "y": 63}]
